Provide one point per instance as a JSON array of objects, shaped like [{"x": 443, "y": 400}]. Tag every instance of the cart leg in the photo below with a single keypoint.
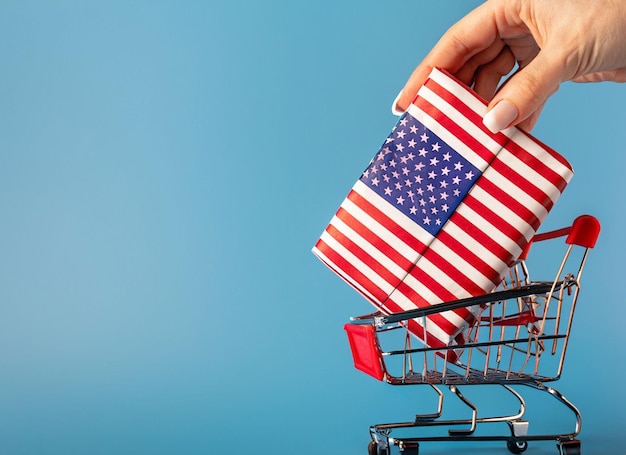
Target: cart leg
[{"x": 570, "y": 447}]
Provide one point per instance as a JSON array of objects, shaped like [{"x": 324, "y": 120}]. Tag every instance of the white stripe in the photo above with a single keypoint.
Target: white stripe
[
  {"x": 503, "y": 211},
  {"x": 460, "y": 91},
  {"x": 469, "y": 270},
  {"x": 460, "y": 119},
  {"x": 433, "y": 330},
  {"x": 339, "y": 272},
  {"x": 483, "y": 225},
  {"x": 446, "y": 136},
  {"x": 476, "y": 247},
  {"x": 396, "y": 215},
  {"x": 365, "y": 269},
  {"x": 542, "y": 154},
  {"x": 405, "y": 250},
  {"x": 529, "y": 173},
  {"x": 381, "y": 258},
  {"x": 513, "y": 190}
]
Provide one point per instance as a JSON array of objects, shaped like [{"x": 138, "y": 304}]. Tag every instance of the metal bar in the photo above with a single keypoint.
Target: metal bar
[{"x": 536, "y": 288}]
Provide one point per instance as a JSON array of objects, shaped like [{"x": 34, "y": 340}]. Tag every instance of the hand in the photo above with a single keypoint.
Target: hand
[{"x": 551, "y": 41}]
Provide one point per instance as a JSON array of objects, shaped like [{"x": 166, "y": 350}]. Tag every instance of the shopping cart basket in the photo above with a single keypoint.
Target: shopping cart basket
[{"x": 519, "y": 339}]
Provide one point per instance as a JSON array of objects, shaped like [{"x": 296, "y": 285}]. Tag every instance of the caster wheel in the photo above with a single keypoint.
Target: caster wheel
[
  {"x": 410, "y": 449},
  {"x": 374, "y": 449},
  {"x": 517, "y": 445},
  {"x": 571, "y": 447}
]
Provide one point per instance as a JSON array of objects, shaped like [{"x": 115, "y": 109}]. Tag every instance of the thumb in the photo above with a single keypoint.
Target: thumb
[{"x": 523, "y": 95}]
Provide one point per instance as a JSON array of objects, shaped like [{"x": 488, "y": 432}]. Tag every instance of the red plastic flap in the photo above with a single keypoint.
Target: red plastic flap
[
  {"x": 585, "y": 231},
  {"x": 365, "y": 351}
]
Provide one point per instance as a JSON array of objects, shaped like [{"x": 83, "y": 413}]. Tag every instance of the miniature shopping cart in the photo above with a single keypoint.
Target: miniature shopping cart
[{"x": 518, "y": 339}]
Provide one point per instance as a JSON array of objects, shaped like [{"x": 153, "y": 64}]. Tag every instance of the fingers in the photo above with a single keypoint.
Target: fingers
[
  {"x": 476, "y": 33},
  {"x": 521, "y": 99},
  {"x": 488, "y": 76}
]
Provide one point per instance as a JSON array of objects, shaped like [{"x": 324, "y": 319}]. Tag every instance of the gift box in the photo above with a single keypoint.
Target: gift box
[{"x": 443, "y": 209}]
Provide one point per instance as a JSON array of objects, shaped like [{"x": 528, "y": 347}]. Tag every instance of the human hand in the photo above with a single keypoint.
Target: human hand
[{"x": 551, "y": 41}]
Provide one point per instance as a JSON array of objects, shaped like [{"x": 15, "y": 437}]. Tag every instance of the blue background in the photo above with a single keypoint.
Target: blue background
[{"x": 165, "y": 168}]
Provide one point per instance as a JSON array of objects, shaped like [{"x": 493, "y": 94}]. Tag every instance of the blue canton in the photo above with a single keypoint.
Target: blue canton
[{"x": 420, "y": 174}]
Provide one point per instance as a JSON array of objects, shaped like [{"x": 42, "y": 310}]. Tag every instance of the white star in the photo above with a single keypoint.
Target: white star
[
  {"x": 398, "y": 186},
  {"x": 443, "y": 196},
  {"x": 403, "y": 122},
  {"x": 422, "y": 152},
  {"x": 420, "y": 166},
  {"x": 400, "y": 200},
  {"x": 443, "y": 184},
  {"x": 436, "y": 147},
  {"x": 432, "y": 175},
  {"x": 401, "y": 134},
  {"x": 434, "y": 161},
  {"x": 388, "y": 191},
  {"x": 456, "y": 180},
  {"x": 458, "y": 166},
  {"x": 424, "y": 137},
  {"x": 445, "y": 207},
  {"x": 469, "y": 175},
  {"x": 412, "y": 143},
  {"x": 445, "y": 171},
  {"x": 426, "y": 220},
  {"x": 447, "y": 156},
  {"x": 407, "y": 182},
  {"x": 410, "y": 156},
  {"x": 375, "y": 181},
  {"x": 413, "y": 210},
  {"x": 399, "y": 147},
  {"x": 430, "y": 188},
  {"x": 405, "y": 171},
  {"x": 413, "y": 129}
]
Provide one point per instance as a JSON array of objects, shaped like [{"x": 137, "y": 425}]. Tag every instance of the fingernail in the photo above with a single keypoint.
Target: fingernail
[
  {"x": 394, "y": 107},
  {"x": 500, "y": 116}
]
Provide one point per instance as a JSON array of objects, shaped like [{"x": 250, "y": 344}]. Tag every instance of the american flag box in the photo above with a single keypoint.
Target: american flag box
[{"x": 442, "y": 210}]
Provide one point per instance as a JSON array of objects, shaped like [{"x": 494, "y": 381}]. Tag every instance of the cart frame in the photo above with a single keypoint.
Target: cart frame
[{"x": 521, "y": 323}]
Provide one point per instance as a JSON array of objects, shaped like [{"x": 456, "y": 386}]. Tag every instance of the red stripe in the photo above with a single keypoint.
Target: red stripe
[
  {"x": 509, "y": 201},
  {"x": 474, "y": 231},
  {"x": 455, "y": 129},
  {"x": 398, "y": 231},
  {"x": 539, "y": 166},
  {"x": 374, "y": 240},
  {"x": 348, "y": 270},
  {"x": 382, "y": 271},
  {"x": 465, "y": 110},
  {"x": 495, "y": 220},
  {"x": 433, "y": 285},
  {"x": 471, "y": 257}
]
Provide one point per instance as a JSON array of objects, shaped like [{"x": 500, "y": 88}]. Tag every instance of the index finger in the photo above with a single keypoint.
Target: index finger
[{"x": 472, "y": 35}]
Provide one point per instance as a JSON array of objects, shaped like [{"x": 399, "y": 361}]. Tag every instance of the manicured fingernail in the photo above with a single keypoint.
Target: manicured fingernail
[
  {"x": 395, "y": 110},
  {"x": 500, "y": 116}
]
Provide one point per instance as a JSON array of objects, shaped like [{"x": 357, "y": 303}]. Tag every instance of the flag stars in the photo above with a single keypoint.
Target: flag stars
[{"x": 420, "y": 174}]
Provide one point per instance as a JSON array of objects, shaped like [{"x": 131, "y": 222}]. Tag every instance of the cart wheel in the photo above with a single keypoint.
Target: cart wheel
[
  {"x": 412, "y": 449},
  {"x": 517, "y": 445},
  {"x": 374, "y": 449},
  {"x": 571, "y": 447}
]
